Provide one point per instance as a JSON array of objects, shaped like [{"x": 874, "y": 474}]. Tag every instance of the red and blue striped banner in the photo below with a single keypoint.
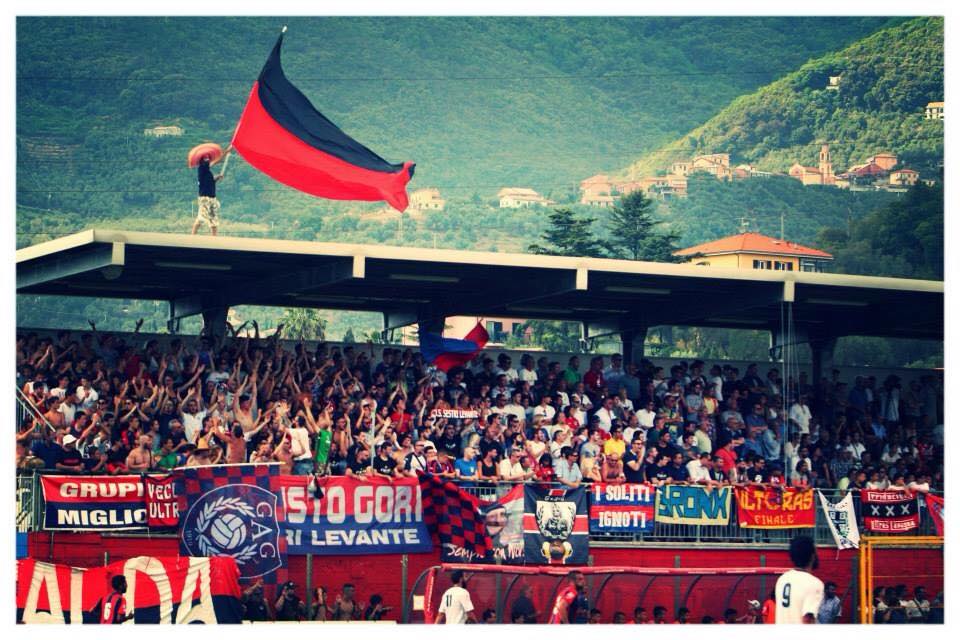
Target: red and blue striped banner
[
  {"x": 93, "y": 503},
  {"x": 622, "y": 508}
]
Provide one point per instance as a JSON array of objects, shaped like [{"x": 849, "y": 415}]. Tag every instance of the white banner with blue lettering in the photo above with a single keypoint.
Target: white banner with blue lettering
[{"x": 842, "y": 519}]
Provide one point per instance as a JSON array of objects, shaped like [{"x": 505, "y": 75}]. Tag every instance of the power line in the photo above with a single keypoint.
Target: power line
[{"x": 599, "y": 154}]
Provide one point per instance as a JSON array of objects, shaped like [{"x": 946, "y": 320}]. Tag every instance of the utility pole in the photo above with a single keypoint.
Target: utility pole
[{"x": 781, "y": 227}]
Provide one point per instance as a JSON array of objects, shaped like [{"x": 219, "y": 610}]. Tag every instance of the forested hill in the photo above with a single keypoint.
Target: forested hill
[
  {"x": 886, "y": 80},
  {"x": 478, "y": 103}
]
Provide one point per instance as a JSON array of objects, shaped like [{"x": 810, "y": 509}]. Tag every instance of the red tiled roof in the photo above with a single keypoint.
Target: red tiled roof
[{"x": 753, "y": 243}]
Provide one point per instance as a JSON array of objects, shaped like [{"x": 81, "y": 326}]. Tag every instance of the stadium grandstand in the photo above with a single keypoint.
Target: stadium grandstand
[{"x": 691, "y": 477}]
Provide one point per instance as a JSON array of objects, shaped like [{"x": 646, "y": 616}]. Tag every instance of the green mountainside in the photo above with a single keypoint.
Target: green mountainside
[
  {"x": 478, "y": 103},
  {"x": 886, "y": 80}
]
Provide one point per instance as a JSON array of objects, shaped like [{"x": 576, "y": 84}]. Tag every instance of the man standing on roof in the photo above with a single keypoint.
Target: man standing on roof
[{"x": 208, "y": 207}]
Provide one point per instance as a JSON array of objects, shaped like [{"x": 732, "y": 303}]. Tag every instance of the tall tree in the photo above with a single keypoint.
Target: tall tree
[
  {"x": 569, "y": 235},
  {"x": 304, "y": 324},
  {"x": 634, "y": 234}
]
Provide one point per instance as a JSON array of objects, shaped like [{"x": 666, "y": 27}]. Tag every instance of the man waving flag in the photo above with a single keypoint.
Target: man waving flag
[{"x": 284, "y": 136}]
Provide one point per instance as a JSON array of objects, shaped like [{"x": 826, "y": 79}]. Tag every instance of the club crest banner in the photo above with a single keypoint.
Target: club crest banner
[
  {"x": 93, "y": 503},
  {"x": 627, "y": 508},
  {"x": 842, "y": 520},
  {"x": 340, "y": 515},
  {"x": 889, "y": 511},
  {"x": 693, "y": 504},
  {"x": 166, "y": 590},
  {"x": 556, "y": 526},
  {"x": 775, "y": 508},
  {"x": 234, "y": 511}
]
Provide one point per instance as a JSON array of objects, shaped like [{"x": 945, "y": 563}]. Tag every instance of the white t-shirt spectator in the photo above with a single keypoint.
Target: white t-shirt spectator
[
  {"x": 546, "y": 411},
  {"x": 192, "y": 424},
  {"x": 300, "y": 443},
  {"x": 87, "y": 398},
  {"x": 69, "y": 412},
  {"x": 697, "y": 471},
  {"x": 800, "y": 414},
  {"x": 511, "y": 374},
  {"x": 606, "y": 418},
  {"x": 455, "y": 604},
  {"x": 528, "y": 375},
  {"x": 646, "y": 417},
  {"x": 510, "y": 471},
  {"x": 857, "y": 449}
]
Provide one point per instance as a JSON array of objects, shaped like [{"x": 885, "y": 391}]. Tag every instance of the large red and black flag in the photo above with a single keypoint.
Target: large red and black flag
[{"x": 283, "y": 135}]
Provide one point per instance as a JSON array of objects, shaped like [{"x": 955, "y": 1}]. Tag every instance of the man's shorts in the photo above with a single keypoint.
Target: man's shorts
[{"x": 208, "y": 210}]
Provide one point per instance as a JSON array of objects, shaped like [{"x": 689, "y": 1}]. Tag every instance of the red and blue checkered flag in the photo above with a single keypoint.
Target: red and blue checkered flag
[
  {"x": 470, "y": 529},
  {"x": 235, "y": 511}
]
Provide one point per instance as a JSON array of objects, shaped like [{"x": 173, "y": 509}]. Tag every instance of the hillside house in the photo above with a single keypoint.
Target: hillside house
[
  {"x": 597, "y": 191},
  {"x": 716, "y": 164},
  {"x": 680, "y": 168},
  {"x": 163, "y": 131},
  {"x": 519, "y": 197},
  {"x": 886, "y": 161},
  {"x": 933, "y": 111},
  {"x": 904, "y": 177},
  {"x": 821, "y": 174},
  {"x": 428, "y": 199},
  {"x": 863, "y": 173},
  {"x": 833, "y": 83},
  {"x": 753, "y": 250}
]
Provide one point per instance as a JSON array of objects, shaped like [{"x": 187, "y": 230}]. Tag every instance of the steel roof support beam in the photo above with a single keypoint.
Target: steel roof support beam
[
  {"x": 256, "y": 291},
  {"x": 109, "y": 259}
]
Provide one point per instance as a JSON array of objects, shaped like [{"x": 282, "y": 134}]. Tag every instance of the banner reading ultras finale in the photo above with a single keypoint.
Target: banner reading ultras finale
[
  {"x": 775, "y": 508},
  {"x": 339, "y": 515},
  {"x": 93, "y": 503},
  {"x": 622, "y": 508},
  {"x": 555, "y": 526},
  {"x": 175, "y": 590},
  {"x": 889, "y": 511}
]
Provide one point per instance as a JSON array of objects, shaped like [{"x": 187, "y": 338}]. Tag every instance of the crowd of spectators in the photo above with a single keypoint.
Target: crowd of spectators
[{"x": 126, "y": 404}]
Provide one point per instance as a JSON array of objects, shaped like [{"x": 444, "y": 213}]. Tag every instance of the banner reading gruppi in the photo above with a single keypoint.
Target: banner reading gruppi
[
  {"x": 93, "y": 503},
  {"x": 340, "y": 515},
  {"x": 175, "y": 590}
]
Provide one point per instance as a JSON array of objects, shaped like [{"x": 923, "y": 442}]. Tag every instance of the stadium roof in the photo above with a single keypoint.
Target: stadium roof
[{"x": 199, "y": 273}]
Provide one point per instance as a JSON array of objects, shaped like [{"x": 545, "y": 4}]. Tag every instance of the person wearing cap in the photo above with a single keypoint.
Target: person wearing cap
[
  {"x": 208, "y": 207},
  {"x": 289, "y": 606},
  {"x": 69, "y": 459},
  {"x": 416, "y": 460}
]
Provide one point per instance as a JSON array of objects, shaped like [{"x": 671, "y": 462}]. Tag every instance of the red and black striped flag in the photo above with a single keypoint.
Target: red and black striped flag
[{"x": 284, "y": 136}]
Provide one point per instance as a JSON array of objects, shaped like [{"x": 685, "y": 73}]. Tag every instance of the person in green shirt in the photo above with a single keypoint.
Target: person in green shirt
[
  {"x": 167, "y": 458},
  {"x": 571, "y": 373}
]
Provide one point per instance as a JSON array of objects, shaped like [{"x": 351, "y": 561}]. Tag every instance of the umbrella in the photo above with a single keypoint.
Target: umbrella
[{"x": 211, "y": 149}]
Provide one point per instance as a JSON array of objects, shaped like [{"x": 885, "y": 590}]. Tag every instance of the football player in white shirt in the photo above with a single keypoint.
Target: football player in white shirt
[
  {"x": 799, "y": 592},
  {"x": 455, "y": 604}
]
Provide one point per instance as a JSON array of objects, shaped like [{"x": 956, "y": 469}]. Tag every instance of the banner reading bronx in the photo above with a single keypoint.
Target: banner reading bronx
[
  {"x": 622, "y": 508},
  {"x": 93, "y": 503},
  {"x": 693, "y": 504},
  {"x": 775, "y": 508},
  {"x": 555, "y": 526},
  {"x": 340, "y": 515},
  {"x": 175, "y": 590},
  {"x": 233, "y": 510}
]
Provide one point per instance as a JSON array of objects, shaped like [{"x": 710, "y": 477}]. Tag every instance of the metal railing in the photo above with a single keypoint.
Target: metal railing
[
  {"x": 30, "y": 510},
  {"x": 26, "y": 408}
]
